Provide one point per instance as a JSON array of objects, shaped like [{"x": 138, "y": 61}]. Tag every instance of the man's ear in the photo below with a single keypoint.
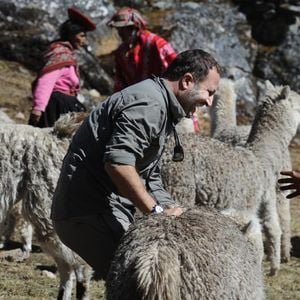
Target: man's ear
[{"x": 186, "y": 80}]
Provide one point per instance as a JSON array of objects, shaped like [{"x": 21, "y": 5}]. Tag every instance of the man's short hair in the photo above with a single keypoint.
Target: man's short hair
[{"x": 197, "y": 62}]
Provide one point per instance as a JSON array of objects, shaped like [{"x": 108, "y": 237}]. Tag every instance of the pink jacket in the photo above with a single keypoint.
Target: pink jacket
[{"x": 63, "y": 80}]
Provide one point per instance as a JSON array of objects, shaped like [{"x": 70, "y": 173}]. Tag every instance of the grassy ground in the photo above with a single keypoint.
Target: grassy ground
[{"x": 35, "y": 278}]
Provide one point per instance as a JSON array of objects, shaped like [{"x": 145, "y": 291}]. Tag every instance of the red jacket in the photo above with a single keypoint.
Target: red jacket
[{"x": 150, "y": 55}]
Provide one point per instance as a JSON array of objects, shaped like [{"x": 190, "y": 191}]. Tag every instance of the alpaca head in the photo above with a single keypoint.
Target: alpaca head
[
  {"x": 276, "y": 93},
  {"x": 283, "y": 95}
]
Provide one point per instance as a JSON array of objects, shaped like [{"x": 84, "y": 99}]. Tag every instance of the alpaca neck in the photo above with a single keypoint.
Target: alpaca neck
[
  {"x": 272, "y": 131},
  {"x": 223, "y": 117}
]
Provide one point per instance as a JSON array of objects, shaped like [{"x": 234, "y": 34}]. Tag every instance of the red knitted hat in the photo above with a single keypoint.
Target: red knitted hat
[{"x": 77, "y": 16}]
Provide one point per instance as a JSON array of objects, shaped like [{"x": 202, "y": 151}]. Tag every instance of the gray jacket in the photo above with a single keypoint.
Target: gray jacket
[{"x": 130, "y": 128}]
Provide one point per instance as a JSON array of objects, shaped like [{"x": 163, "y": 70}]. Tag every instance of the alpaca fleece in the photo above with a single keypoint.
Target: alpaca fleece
[{"x": 199, "y": 255}]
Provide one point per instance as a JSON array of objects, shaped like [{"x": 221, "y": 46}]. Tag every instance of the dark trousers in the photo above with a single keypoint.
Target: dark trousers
[
  {"x": 95, "y": 238},
  {"x": 59, "y": 104}
]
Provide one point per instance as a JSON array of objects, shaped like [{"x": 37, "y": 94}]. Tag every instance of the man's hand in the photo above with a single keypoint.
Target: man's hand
[
  {"x": 293, "y": 181},
  {"x": 174, "y": 211}
]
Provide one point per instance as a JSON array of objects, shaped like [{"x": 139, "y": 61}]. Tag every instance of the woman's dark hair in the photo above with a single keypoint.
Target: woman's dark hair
[
  {"x": 196, "y": 61},
  {"x": 70, "y": 28}
]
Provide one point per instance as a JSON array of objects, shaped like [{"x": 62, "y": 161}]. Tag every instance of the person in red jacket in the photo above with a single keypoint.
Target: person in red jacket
[{"x": 142, "y": 53}]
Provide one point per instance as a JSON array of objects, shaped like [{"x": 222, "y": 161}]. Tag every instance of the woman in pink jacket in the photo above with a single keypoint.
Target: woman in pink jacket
[{"x": 57, "y": 84}]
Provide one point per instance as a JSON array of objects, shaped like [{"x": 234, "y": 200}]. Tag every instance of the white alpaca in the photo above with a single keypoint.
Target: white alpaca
[
  {"x": 30, "y": 163},
  {"x": 235, "y": 178},
  {"x": 224, "y": 128}
]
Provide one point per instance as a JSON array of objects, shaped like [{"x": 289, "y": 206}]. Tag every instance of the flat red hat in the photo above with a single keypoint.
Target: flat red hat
[{"x": 77, "y": 16}]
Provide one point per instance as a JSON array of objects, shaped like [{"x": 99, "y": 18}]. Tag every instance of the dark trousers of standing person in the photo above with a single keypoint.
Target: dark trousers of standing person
[{"x": 58, "y": 105}]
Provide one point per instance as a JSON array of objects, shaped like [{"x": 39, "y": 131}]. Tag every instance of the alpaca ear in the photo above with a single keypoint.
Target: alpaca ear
[
  {"x": 269, "y": 85},
  {"x": 248, "y": 228},
  {"x": 285, "y": 92}
]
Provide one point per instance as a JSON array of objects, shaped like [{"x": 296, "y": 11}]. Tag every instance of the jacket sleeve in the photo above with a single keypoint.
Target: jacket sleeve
[
  {"x": 44, "y": 88},
  {"x": 157, "y": 190},
  {"x": 135, "y": 128}
]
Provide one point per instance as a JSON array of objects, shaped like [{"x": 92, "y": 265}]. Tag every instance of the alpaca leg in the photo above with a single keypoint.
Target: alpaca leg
[
  {"x": 24, "y": 228},
  {"x": 273, "y": 235},
  {"x": 283, "y": 208},
  {"x": 4, "y": 235},
  {"x": 83, "y": 276},
  {"x": 26, "y": 237},
  {"x": 66, "y": 275},
  {"x": 2, "y": 241},
  {"x": 256, "y": 238},
  {"x": 6, "y": 229}
]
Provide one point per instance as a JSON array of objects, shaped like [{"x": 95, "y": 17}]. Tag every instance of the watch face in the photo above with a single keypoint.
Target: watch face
[{"x": 158, "y": 209}]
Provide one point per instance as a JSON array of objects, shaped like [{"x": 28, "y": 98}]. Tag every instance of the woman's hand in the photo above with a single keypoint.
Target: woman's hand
[
  {"x": 35, "y": 117},
  {"x": 293, "y": 183}
]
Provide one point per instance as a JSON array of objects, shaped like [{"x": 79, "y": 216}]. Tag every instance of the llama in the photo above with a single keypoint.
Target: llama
[
  {"x": 198, "y": 255},
  {"x": 230, "y": 177},
  {"x": 224, "y": 128},
  {"x": 31, "y": 159}
]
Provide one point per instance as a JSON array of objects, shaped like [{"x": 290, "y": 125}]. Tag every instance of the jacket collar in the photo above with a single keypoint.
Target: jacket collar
[{"x": 175, "y": 109}]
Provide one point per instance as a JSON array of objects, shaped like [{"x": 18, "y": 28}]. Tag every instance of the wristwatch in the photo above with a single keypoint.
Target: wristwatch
[{"x": 157, "y": 209}]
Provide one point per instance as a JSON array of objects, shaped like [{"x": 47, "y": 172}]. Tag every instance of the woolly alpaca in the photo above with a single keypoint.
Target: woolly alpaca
[
  {"x": 224, "y": 128},
  {"x": 237, "y": 178},
  {"x": 199, "y": 255},
  {"x": 15, "y": 221},
  {"x": 31, "y": 159}
]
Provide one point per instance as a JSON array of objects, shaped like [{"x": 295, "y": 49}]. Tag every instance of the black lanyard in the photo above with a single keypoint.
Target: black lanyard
[{"x": 178, "y": 153}]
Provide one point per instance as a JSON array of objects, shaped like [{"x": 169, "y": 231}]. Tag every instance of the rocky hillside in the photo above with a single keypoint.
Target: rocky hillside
[{"x": 253, "y": 40}]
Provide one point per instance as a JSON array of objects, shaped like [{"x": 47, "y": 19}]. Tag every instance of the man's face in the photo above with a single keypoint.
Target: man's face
[{"x": 198, "y": 94}]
